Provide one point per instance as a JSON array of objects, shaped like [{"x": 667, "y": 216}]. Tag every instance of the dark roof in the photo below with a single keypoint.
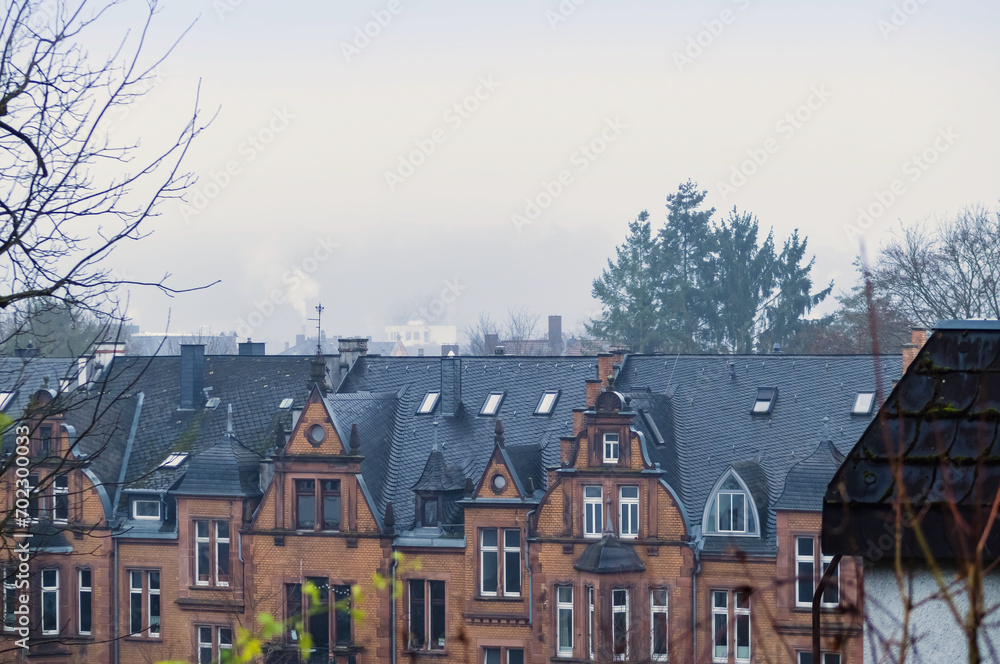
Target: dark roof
[
  {"x": 225, "y": 469},
  {"x": 805, "y": 484},
  {"x": 24, "y": 376},
  {"x": 439, "y": 476},
  {"x": 609, "y": 555},
  {"x": 942, "y": 422},
  {"x": 703, "y": 416}
]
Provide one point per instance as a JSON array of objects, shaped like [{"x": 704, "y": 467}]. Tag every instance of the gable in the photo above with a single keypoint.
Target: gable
[{"x": 315, "y": 433}]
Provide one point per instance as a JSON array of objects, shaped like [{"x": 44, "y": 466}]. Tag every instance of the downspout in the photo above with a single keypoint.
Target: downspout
[
  {"x": 527, "y": 562},
  {"x": 817, "y": 600},
  {"x": 114, "y": 583},
  {"x": 392, "y": 598},
  {"x": 696, "y": 545}
]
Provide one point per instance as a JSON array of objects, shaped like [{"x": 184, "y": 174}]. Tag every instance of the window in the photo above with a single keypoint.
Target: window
[
  {"x": 428, "y": 403},
  {"x": 863, "y": 403},
  {"x": 808, "y": 574},
  {"x": 9, "y": 597},
  {"x": 84, "y": 604},
  {"x": 331, "y": 504},
  {"x": 619, "y": 623},
  {"x": 305, "y": 504},
  {"x": 211, "y": 650},
  {"x": 33, "y": 497},
  {"x": 495, "y": 655},
  {"x": 212, "y": 551},
  {"x": 720, "y": 626},
  {"x": 46, "y": 437},
  {"x": 564, "y": 620},
  {"x": 491, "y": 553},
  {"x": 611, "y": 448},
  {"x": 427, "y": 606},
  {"x": 547, "y": 403},
  {"x": 145, "y": 508},
  {"x": 430, "y": 512},
  {"x": 593, "y": 509},
  {"x": 321, "y": 624},
  {"x": 591, "y": 622},
  {"x": 136, "y": 625},
  {"x": 492, "y": 404},
  {"x": 764, "y": 403},
  {"x": 628, "y": 508},
  {"x": 341, "y": 615},
  {"x": 828, "y": 658},
  {"x": 731, "y": 510},
  {"x": 741, "y": 613},
  {"x": 658, "y": 624},
  {"x": 60, "y": 499},
  {"x": 50, "y": 601},
  {"x": 174, "y": 460}
]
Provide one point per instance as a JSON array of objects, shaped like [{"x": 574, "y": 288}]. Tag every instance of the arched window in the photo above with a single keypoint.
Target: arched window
[{"x": 730, "y": 509}]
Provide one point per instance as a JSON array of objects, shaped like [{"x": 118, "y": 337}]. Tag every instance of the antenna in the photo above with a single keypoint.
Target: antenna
[{"x": 319, "y": 329}]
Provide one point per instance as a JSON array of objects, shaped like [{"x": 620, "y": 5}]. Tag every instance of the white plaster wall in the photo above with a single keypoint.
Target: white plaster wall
[{"x": 936, "y": 637}]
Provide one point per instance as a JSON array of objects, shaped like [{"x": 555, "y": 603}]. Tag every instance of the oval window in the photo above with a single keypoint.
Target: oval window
[
  {"x": 499, "y": 482},
  {"x": 316, "y": 434}
]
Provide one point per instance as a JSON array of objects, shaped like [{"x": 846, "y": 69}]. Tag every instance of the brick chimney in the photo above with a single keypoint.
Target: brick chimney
[
  {"x": 192, "y": 376},
  {"x": 918, "y": 337},
  {"x": 451, "y": 385},
  {"x": 555, "y": 335}
]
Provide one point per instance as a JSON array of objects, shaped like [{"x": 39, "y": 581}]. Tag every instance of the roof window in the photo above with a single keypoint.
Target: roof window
[
  {"x": 492, "y": 403},
  {"x": 764, "y": 403},
  {"x": 429, "y": 403},
  {"x": 863, "y": 403},
  {"x": 174, "y": 460},
  {"x": 547, "y": 403}
]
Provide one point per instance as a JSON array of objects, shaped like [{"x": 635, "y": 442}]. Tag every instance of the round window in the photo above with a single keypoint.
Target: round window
[
  {"x": 316, "y": 434},
  {"x": 499, "y": 482}
]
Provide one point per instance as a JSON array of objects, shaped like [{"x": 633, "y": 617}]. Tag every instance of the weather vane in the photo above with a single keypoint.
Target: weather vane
[{"x": 319, "y": 328}]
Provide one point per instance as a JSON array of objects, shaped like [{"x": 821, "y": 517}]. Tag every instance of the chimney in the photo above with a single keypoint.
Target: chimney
[
  {"x": 605, "y": 365},
  {"x": 451, "y": 385},
  {"x": 250, "y": 348},
  {"x": 777, "y": 348},
  {"x": 499, "y": 350},
  {"x": 449, "y": 349},
  {"x": 555, "y": 335},
  {"x": 918, "y": 337},
  {"x": 26, "y": 353},
  {"x": 350, "y": 350},
  {"x": 300, "y": 339},
  {"x": 594, "y": 386},
  {"x": 490, "y": 343},
  {"x": 192, "y": 376}
]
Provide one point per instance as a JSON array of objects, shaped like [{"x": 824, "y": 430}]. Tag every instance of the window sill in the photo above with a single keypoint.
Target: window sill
[
  {"x": 498, "y": 598},
  {"x": 426, "y": 653},
  {"x": 210, "y": 588},
  {"x": 143, "y": 639}
]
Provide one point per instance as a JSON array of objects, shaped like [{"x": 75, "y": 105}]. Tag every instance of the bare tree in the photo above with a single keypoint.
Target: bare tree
[
  {"x": 517, "y": 333},
  {"x": 944, "y": 272}
]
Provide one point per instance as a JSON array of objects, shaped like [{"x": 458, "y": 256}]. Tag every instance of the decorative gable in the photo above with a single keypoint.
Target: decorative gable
[
  {"x": 499, "y": 480},
  {"x": 315, "y": 433}
]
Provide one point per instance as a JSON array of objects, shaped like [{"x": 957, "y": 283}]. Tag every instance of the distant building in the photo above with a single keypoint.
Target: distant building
[
  {"x": 421, "y": 338},
  {"x": 551, "y": 345},
  {"x": 169, "y": 343},
  {"x": 307, "y": 346}
]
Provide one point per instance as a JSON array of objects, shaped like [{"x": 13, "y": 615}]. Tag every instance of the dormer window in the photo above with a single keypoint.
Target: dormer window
[
  {"x": 863, "y": 403},
  {"x": 429, "y": 403},
  {"x": 492, "y": 404},
  {"x": 547, "y": 403},
  {"x": 146, "y": 509},
  {"x": 429, "y": 518},
  {"x": 764, "y": 403},
  {"x": 611, "y": 448},
  {"x": 731, "y": 510}
]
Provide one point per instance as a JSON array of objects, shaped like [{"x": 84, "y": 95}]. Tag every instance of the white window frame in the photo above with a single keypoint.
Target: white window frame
[
  {"x": 215, "y": 561},
  {"x": 139, "y": 517},
  {"x": 149, "y": 603},
  {"x": 712, "y": 516},
  {"x": 564, "y": 649},
  {"x": 483, "y": 550},
  {"x": 805, "y": 559},
  {"x": 591, "y": 622},
  {"x": 616, "y": 609},
  {"x": 60, "y": 488},
  {"x": 861, "y": 399},
  {"x": 825, "y": 562},
  {"x": 826, "y": 657},
  {"x": 654, "y": 611},
  {"x": 132, "y": 591},
  {"x": 738, "y": 614},
  {"x": 82, "y": 589},
  {"x": 218, "y": 638},
  {"x": 547, "y": 402},
  {"x": 611, "y": 447},
  {"x": 429, "y": 402},
  {"x": 198, "y": 541},
  {"x": 509, "y": 551},
  {"x": 730, "y": 494},
  {"x": 491, "y": 406},
  {"x": 50, "y": 589},
  {"x": 203, "y": 644},
  {"x": 593, "y": 507},
  {"x": 718, "y": 610},
  {"x": 628, "y": 512}
]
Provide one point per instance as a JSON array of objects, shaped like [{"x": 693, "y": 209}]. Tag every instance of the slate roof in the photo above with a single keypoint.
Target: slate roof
[
  {"x": 609, "y": 555},
  {"x": 805, "y": 484},
  {"x": 225, "y": 469},
  {"x": 393, "y": 462},
  {"x": 943, "y": 422},
  {"x": 25, "y": 376},
  {"x": 703, "y": 416}
]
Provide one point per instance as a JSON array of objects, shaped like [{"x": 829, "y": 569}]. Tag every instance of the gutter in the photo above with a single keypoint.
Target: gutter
[
  {"x": 392, "y": 632},
  {"x": 696, "y": 545}
]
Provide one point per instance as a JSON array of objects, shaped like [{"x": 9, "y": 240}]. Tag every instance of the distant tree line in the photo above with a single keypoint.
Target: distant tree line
[{"x": 699, "y": 284}]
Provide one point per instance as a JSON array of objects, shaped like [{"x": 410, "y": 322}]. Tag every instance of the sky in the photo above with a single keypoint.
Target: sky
[{"x": 405, "y": 158}]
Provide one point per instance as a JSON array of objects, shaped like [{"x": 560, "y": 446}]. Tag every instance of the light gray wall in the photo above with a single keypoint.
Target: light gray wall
[{"x": 936, "y": 637}]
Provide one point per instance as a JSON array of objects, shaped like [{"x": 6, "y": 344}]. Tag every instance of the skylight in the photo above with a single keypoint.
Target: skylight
[
  {"x": 863, "y": 403},
  {"x": 547, "y": 403},
  {"x": 492, "y": 403},
  {"x": 286, "y": 403},
  {"x": 213, "y": 403},
  {"x": 766, "y": 396},
  {"x": 174, "y": 460},
  {"x": 5, "y": 399},
  {"x": 429, "y": 403}
]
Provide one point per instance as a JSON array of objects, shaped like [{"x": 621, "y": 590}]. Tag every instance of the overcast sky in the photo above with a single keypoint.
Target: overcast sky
[{"x": 400, "y": 171}]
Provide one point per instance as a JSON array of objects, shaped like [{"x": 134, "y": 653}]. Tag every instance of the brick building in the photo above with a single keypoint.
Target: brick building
[{"x": 489, "y": 509}]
